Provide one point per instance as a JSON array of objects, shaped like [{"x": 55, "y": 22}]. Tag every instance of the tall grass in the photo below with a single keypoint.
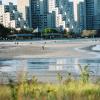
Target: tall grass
[
  {"x": 71, "y": 91},
  {"x": 68, "y": 89}
]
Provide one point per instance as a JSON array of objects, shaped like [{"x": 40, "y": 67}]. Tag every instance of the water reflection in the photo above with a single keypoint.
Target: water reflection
[
  {"x": 76, "y": 65},
  {"x": 49, "y": 64},
  {"x": 94, "y": 65}
]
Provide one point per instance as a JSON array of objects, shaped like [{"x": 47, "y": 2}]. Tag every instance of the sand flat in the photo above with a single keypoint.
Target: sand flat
[{"x": 34, "y": 49}]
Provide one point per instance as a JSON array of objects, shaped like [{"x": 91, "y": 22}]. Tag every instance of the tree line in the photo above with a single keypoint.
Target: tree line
[{"x": 48, "y": 33}]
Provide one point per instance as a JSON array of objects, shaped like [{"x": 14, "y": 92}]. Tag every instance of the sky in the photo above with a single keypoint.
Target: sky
[
  {"x": 6, "y": 1},
  {"x": 14, "y": 1}
]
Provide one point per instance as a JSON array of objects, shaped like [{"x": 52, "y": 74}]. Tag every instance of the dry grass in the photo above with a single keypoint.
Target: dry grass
[{"x": 31, "y": 90}]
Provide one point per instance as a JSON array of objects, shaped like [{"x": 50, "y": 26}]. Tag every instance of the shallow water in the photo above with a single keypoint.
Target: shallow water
[
  {"x": 49, "y": 64},
  {"x": 96, "y": 48}
]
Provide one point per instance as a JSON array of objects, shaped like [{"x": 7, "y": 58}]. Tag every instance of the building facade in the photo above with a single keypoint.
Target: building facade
[
  {"x": 24, "y": 7},
  {"x": 61, "y": 14},
  {"x": 39, "y": 14},
  {"x": 45, "y": 13},
  {"x": 10, "y": 17},
  {"x": 89, "y": 14},
  {"x": 81, "y": 16},
  {"x": 92, "y": 14},
  {"x": 0, "y": 2},
  {"x": 96, "y": 14}
]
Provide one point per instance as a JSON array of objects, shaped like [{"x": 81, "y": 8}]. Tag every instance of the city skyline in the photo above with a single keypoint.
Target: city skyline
[{"x": 60, "y": 14}]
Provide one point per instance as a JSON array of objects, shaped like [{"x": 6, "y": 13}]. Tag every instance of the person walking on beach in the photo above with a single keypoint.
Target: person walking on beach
[
  {"x": 44, "y": 42},
  {"x": 43, "y": 47},
  {"x": 17, "y": 43}
]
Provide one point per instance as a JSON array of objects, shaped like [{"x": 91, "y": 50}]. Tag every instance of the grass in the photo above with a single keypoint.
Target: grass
[
  {"x": 68, "y": 89},
  {"x": 33, "y": 90}
]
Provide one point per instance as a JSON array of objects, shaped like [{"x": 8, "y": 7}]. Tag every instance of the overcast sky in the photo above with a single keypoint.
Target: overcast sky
[
  {"x": 6, "y": 1},
  {"x": 14, "y": 1}
]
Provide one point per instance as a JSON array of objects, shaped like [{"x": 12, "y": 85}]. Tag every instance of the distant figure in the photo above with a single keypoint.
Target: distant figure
[
  {"x": 55, "y": 41},
  {"x": 43, "y": 47},
  {"x": 44, "y": 42},
  {"x": 17, "y": 43}
]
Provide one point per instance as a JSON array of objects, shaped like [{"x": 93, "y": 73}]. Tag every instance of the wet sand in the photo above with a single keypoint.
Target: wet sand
[{"x": 45, "y": 50}]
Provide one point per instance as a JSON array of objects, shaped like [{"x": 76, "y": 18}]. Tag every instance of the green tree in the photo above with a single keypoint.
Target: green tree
[
  {"x": 50, "y": 30},
  {"x": 65, "y": 32},
  {"x": 68, "y": 34},
  {"x": 4, "y": 32},
  {"x": 47, "y": 30}
]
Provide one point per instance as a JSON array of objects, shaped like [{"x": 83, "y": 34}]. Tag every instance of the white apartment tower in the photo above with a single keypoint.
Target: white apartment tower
[
  {"x": 51, "y": 5},
  {"x": 75, "y": 9}
]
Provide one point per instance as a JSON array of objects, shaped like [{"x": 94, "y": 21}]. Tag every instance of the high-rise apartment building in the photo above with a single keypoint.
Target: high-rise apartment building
[
  {"x": 0, "y": 2},
  {"x": 70, "y": 22},
  {"x": 25, "y": 8},
  {"x": 10, "y": 17},
  {"x": 36, "y": 14},
  {"x": 85, "y": 15},
  {"x": 56, "y": 7},
  {"x": 75, "y": 7},
  {"x": 92, "y": 14},
  {"x": 81, "y": 16},
  {"x": 97, "y": 14},
  {"x": 44, "y": 13},
  {"x": 51, "y": 5},
  {"x": 89, "y": 14},
  {"x": 40, "y": 17},
  {"x": 76, "y": 27}
]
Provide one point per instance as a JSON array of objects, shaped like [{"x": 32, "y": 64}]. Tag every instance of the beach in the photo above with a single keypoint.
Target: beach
[
  {"x": 44, "y": 59},
  {"x": 46, "y": 49}
]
